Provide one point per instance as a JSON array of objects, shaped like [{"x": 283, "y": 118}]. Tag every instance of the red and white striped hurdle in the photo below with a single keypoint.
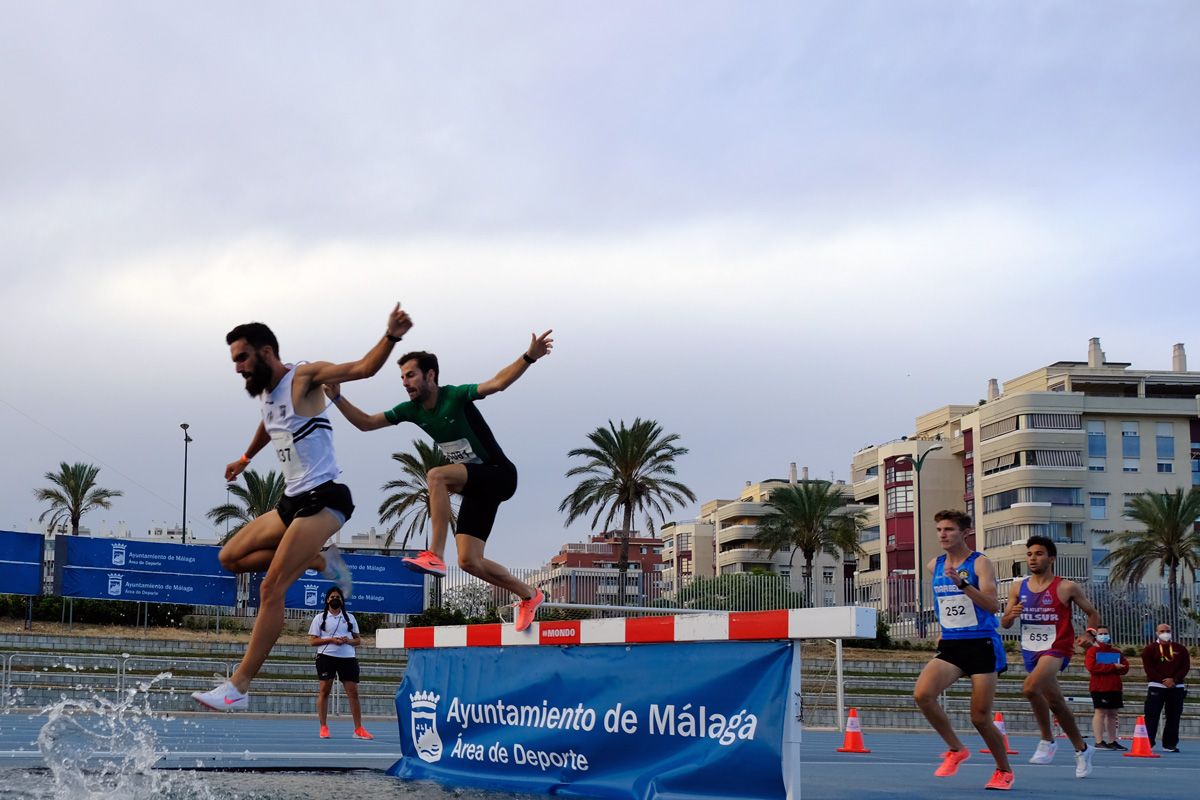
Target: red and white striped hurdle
[{"x": 737, "y": 626}]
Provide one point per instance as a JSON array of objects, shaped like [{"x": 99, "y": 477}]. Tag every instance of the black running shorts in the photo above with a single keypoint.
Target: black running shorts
[
  {"x": 488, "y": 485},
  {"x": 1108, "y": 700},
  {"x": 329, "y": 495},
  {"x": 974, "y": 656},
  {"x": 345, "y": 669}
]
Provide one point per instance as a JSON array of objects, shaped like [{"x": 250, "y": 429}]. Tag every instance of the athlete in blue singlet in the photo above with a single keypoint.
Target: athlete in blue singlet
[{"x": 964, "y": 589}]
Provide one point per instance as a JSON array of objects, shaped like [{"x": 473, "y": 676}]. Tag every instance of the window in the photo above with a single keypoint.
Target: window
[
  {"x": 874, "y": 561},
  {"x": 1166, "y": 466},
  {"x": 870, "y": 534},
  {"x": 827, "y": 576},
  {"x": 1130, "y": 464},
  {"x": 1098, "y": 553},
  {"x": 1131, "y": 442},
  {"x": 1055, "y": 421},
  {"x": 969, "y": 484},
  {"x": 994, "y": 429},
  {"x": 994, "y": 465},
  {"x": 999, "y": 501},
  {"x": 1096, "y": 464},
  {"x": 1097, "y": 442},
  {"x": 1164, "y": 442},
  {"x": 899, "y": 500},
  {"x": 898, "y": 475},
  {"x": 1196, "y": 472},
  {"x": 1053, "y": 458},
  {"x": 1098, "y": 507},
  {"x": 1054, "y": 495}
]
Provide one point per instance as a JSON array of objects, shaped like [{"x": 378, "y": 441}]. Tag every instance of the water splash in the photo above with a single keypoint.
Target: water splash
[{"x": 97, "y": 749}]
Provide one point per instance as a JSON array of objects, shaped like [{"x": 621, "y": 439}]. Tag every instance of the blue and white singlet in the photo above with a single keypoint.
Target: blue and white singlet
[{"x": 304, "y": 445}]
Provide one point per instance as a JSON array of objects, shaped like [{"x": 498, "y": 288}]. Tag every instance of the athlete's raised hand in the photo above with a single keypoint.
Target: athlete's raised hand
[
  {"x": 332, "y": 390},
  {"x": 1011, "y": 614},
  {"x": 540, "y": 345},
  {"x": 234, "y": 468},
  {"x": 399, "y": 323}
]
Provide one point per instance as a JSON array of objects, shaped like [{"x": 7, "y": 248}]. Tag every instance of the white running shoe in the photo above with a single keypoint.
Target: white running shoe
[
  {"x": 337, "y": 571},
  {"x": 1045, "y": 753},
  {"x": 1083, "y": 762},
  {"x": 223, "y": 698}
]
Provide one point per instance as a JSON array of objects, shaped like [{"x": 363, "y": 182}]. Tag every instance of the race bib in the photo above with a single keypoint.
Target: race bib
[
  {"x": 285, "y": 451},
  {"x": 459, "y": 452},
  {"x": 1036, "y": 638},
  {"x": 956, "y": 611}
]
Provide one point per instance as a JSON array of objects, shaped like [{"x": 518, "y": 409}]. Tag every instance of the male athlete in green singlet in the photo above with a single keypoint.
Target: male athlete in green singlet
[{"x": 479, "y": 471}]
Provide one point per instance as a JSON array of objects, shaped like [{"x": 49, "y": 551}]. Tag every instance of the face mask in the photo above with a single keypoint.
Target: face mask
[
  {"x": 334, "y": 603},
  {"x": 1165, "y": 636},
  {"x": 1104, "y": 638}
]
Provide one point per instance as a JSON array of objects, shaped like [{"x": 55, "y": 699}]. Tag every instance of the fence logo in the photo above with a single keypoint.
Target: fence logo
[
  {"x": 424, "y": 726},
  {"x": 118, "y": 554},
  {"x": 115, "y": 581},
  {"x": 310, "y": 594}
]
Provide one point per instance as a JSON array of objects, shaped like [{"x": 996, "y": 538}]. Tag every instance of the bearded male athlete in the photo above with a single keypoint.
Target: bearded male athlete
[{"x": 287, "y": 540}]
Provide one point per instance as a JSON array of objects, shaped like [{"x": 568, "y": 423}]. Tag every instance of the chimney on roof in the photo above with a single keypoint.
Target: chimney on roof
[
  {"x": 1095, "y": 354},
  {"x": 1178, "y": 359},
  {"x": 792, "y": 473},
  {"x": 804, "y": 474},
  {"x": 993, "y": 389}
]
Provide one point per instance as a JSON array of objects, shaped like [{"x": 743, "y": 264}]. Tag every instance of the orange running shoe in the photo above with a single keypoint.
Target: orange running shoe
[
  {"x": 1001, "y": 780},
  {"x": 427, "y": 563},
  {"x": 361, "y": 733},
  {"x": 950, "y": 761},
  {"x": 324, "y": 732},
  {"x": 526, "y": 609}
]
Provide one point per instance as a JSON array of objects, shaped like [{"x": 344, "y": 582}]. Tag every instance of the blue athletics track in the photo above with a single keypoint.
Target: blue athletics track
[{"x": 250, "y": 756}]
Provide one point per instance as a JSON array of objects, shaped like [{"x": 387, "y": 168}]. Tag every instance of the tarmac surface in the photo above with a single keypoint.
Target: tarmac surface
[{"x": 900, "y": 764}]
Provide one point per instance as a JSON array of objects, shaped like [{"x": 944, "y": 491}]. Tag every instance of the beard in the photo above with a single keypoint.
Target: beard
[{"x": 259, "y": 379}]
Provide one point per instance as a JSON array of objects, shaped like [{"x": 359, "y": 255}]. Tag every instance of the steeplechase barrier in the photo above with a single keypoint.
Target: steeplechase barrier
[{"x": 650, "y": 708}]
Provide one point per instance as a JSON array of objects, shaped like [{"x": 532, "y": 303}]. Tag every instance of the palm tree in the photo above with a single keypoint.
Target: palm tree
[
  {"x": 807, "y": 517},
  {"x": 1168, "y": 541},
  {"x": 409, "y": 506},
  {"x": 74, "y": 494},
  {"x": 629, "y": 471},
  {"x": 260, "y": 495}
]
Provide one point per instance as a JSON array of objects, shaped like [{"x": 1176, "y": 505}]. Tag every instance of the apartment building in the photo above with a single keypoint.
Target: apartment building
[
  {"x": 1057, "y": 452},
  {"x": 721, "y": 542},
  {"x": 586, "y": 572}
]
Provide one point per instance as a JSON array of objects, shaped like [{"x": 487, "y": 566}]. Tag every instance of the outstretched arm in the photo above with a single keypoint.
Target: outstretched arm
[
  {"x": 538, "y": 346},
  {"x": 357, "y": 417},
  {"x": 260, "y": 440},
  {"x": 310, "y": 376}
]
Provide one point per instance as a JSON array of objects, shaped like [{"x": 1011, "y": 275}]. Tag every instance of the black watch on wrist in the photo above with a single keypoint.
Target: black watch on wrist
[{"x": 393, "y": 339}]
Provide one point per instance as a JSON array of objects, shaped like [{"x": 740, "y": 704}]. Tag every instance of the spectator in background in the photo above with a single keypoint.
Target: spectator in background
[
  {"x": 1166, "y": 664},
  {"x": 334, "y": 632},
  {"x": 1106, "y": 665}
]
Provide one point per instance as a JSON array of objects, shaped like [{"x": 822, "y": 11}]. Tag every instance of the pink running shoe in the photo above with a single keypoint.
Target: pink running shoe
[
  {"x": 427, "y": 563},
  {"x": 526, "y": 609},
  {"x": 950, "y": 761},
  {"x": 1002, "y": 781}
]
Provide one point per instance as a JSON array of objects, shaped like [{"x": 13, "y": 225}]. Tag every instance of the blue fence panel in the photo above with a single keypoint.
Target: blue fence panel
[
  {"x": 21, "y": 562},
  {"x": 153, "y": 572}
]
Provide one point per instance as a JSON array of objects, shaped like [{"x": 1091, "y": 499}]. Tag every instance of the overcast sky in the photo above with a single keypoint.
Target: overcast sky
[{"x": 783, "y": 230}]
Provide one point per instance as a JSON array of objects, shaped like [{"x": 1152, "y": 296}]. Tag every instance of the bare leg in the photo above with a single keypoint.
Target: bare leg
[
  {"x": 1098, "y": 723},
  {"x": 323, "y": 700},
  {"x": 252, "y": 548},
  {"x": 441, "y": 482},
  {"x": 1111, "y": 724},
  {"x": 1042, "y": 691},
  {"x": 470, "y": 558},
  {"x": 302, "y": 539},
  {"x": 934, "y": 679},
  {"x": 983, "y": 692},
  {"x": 352, "y": 697}
]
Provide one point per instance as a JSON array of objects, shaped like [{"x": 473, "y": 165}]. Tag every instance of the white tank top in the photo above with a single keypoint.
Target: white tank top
[{"x": 304, "y": 445}]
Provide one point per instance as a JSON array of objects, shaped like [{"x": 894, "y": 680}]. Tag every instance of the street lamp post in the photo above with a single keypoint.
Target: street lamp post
[
  {"x": 186, "y": 440},
  {"x": 918, "y": 563}
]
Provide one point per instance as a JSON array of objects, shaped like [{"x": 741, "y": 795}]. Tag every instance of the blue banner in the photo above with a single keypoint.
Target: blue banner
[
  {"x": 640, "y": 722},
  {"x": 21, "y": 562},
  {"x": 150, "y": 572},
  {"x": 382, "y": 585}
]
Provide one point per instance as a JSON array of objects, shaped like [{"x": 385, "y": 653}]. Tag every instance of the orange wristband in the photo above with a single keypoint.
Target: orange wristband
[{"x": 244, "y": 459}]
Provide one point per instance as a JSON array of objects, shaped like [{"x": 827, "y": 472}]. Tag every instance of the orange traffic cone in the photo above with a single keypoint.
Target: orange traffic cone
[
  {"x": 853, "y": 742},
  {"x": 1141, "y": 742},
  {"x": 999, "y": 723}
]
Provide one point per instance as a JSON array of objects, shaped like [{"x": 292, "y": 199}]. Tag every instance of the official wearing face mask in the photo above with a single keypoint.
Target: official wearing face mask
[
  {"x": 1105, "y": 666},
  {"x": 334, "y": 632},
  {"x": 1166, "y": 664}
]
